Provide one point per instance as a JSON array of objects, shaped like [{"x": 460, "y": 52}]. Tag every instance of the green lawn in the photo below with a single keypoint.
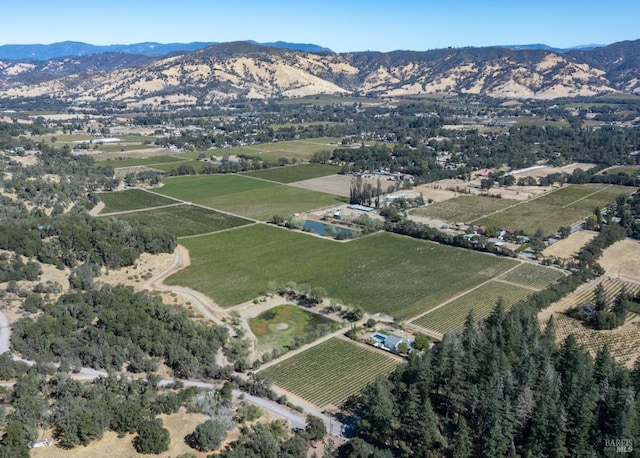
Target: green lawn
[
  {"x": 382, "y": 272},
  {"x": 246, "y": 196},
  {"x": 330, "y": 372},
  {"x": 132, "y": 199},
  {"x": 295, "y": 173},
  {"x": 183, "y": 220},
  {"x": 282, "y": 325}
]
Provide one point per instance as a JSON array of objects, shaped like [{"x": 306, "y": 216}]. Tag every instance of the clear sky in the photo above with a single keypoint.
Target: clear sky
[{"x": 344, "y": 25}]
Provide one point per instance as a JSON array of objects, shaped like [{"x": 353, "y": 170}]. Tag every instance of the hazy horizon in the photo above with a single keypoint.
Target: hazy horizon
[{"x": 341, "y": 26}]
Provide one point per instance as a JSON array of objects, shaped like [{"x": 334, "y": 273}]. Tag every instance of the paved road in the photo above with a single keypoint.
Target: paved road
[{"x": 5, "y": 332}]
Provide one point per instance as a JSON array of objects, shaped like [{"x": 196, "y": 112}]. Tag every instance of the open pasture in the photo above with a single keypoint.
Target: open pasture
[
  {"x": 281, "y": 325},
  {"x": 623, "y": 259},
  {"x": 132, "y": 199},
  {"x": 295, "y": 173},
  {"x": 561, "y": 207},
  {"x": 245, "y": 196},
  {"x": 464, "y": 208},
  {"x": 451, "y": 316},
  {"x": 185, "y": 220},
  {"x": 382, "y": 272},
  {"x": 328, "y": 373}
]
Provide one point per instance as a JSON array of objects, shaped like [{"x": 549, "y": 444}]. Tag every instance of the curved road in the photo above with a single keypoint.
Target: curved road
[{"x": 294, "y": 419}]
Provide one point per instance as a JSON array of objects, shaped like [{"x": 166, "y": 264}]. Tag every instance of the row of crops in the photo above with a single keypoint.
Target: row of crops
[
  {"x": 512, "y": 287},
  {"x": 330, "y": 372},
  {"x": 452, "y": 315},
  {"x": 612, "y": 288},
  {"x": 532, "y": 276}
]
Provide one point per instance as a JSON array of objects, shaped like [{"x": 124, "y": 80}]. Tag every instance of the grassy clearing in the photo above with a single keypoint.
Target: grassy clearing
[
  {"x": 629, "y": 171},
  {"x": 282, "y": 325},
  {"x": 464, "y": 208},
  {"x": 382, "y": 272},
  {"x": 245, "y": 196},
  {"x": 562, "y": 207},
  {"x": 183, "y": 220},
  {"x": 330, "y": 372},
  {"x": 451, "y": 316},
  {"x": 295, "y": 173},
  {"x": 132, "y": 199}
]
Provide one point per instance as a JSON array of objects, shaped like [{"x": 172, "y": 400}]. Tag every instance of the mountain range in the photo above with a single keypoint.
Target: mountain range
[
  {"x": 224, "y": 72},
  {"x": 78, "y": 49}
]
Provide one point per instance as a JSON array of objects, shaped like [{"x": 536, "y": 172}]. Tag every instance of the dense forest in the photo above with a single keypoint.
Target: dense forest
[{"x": 502, "y": 387}]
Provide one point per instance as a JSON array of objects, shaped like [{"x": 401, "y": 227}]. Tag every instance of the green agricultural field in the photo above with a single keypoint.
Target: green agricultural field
[
  {"x": 132, "y": 199},
  {"x": 464, "y": 208},
  {"x": 628, "y": 171},
  {"x": 382, "y": 272},
  {"x": 245, "y": 196},
  {"x": 169, "y": 166},
  {"x": 562, "y": 207},
  {"x": 185, "y": 220},
  {"x": 451, "y": 316},
  {"x": 115, "y": 147},
  {"x": 282, "y": 325},
  {"x": 148, "y": 161},
  {"x": 328, "y": 373},
  {"x": 295, "y": 173},
  {"x": 294, "y": 149},
  {"x": 532, "y": 276},
  {"x": 512, "y": 286}
]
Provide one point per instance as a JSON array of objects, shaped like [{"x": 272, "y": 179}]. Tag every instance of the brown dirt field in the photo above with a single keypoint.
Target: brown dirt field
[
  {"x": 544, "y": 171},
  {"x": 568, "y": 247},
  {"x": 49, "y": 273},
  {"x": 179, "y": 425},
  {"x": 563, "y": 304},
  {"x": 622, "y": 259},
  {"x": 150, "y": 266},
  {"x": 338, "y": 185},
  {"x": 622, "y": 341}
]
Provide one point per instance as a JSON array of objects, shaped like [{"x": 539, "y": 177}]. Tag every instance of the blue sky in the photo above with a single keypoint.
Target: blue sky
[{"x": 340, "y": 25}]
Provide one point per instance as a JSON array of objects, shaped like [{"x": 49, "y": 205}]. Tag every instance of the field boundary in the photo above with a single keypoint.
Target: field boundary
[
  {"x": 587, "y": 196},
  {"x": 457, "y": 296}
]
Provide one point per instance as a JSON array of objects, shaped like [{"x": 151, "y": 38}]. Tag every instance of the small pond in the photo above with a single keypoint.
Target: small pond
[{"x": 321, "y": 228}]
